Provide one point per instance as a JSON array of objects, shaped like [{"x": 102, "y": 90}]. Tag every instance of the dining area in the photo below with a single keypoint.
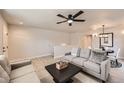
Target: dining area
[
  {"x": 107, "y": 44},
  {"x": 113, "y": 55}
]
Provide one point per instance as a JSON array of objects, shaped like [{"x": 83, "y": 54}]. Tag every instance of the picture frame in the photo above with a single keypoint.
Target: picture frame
[{"x": 106, "y": 41}]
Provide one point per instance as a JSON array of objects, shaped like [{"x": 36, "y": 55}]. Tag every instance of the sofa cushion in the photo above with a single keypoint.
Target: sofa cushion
[
  {"x": 28, "y": 78},
  {"x": 75, "y": 52},
  {"x": 21, "y": 71},
  {"x": 68, "y": 57},
  {"x": 79, "y": 61},
  {"x": 97, "y": 56},
  {"x": 5, "y": 64},
  {"x": 4, "y": 77},
  {"x": 92, "y": 66},
  {"x": 85, "y": 52}
]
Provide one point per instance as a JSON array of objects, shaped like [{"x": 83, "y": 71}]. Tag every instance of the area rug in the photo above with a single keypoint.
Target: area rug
[
  {"x": 116, "y": 74},
  {"x": 114, "y": 65}
]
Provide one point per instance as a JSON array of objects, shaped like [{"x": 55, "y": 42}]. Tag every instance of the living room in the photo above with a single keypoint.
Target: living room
[{"x": 34, "y": 37}]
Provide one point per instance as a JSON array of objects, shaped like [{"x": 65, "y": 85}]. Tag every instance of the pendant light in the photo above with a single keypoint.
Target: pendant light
[{"x": 103, "y": 35}]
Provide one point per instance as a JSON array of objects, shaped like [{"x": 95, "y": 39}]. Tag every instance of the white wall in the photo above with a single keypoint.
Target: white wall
[
  {"x": 27, "y": 42},
  {"x": 75, "y": 38},
  {"x": 59, "y": 51},
  {"x": 118, "y": 39}
]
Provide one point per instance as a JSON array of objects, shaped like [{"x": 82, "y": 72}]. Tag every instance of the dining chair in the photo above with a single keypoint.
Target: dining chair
[{"x": 114, "y": 58}]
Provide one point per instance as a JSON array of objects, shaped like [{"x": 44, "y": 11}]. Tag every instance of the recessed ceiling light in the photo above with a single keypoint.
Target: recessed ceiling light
[
  {"x": 63, "y": 44},
  {"x": 123, "y": 32},
  {"x": 21, "y": 23}
]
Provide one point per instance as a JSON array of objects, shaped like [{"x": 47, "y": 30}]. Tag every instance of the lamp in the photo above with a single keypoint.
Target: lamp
[
  {"x": 94, "y": 34},
  {"x": 103, "y": 35},
  {"x": 70, "y": 21}
]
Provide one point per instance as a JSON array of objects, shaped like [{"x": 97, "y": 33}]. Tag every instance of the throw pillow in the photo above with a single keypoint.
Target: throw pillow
[
  {"x": 98, "y": 56},
  {"x": 75, "y": 51},
  {"x": 85, "y": 53},
  {"x": 4, "y": 63}
]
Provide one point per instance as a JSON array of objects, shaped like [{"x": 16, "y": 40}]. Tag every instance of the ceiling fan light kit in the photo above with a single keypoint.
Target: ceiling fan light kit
[
  {"x": 71, "y": 18},
  {"x": 70, "y": 21}
]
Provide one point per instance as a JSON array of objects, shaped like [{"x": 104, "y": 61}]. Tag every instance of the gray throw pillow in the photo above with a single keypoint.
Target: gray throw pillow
[
  {"x": 85, "y": 53},
  {"x": 98, "y": 56},
  {"x": 4, "y": 63},
  {"x": 4, "y": 77},
  {"x": 75, "y": 52}
]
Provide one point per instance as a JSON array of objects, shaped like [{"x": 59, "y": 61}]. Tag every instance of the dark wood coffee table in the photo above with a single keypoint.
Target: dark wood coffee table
[{"x": 64, "y": 75}]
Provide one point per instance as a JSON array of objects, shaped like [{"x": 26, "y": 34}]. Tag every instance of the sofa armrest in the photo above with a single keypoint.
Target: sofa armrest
[
  {"x": 19, "y": 64},
  {"x": 105, "y": 68},
  {"x": 69, "y": 53}
]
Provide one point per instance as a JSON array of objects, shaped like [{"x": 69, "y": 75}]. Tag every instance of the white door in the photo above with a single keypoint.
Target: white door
[
  {"x": 1, "y": 39},
  {"x": 5, "y": 40}
]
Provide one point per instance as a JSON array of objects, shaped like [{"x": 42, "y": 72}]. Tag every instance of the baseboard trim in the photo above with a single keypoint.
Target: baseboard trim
[
  {"x": 57, "y": 57},
  {"x": 28, "y": 58}
]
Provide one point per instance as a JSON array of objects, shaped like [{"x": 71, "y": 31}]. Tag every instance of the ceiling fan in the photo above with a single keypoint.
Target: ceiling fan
[{"x": 71, "y": 18}]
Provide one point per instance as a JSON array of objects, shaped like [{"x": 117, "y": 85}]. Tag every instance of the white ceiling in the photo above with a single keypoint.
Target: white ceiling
[{"x": 46, "y": 18}]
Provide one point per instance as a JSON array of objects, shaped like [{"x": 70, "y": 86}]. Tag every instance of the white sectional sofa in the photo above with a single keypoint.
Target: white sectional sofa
[
  {"x": 93, "y": 62},
  {"x": 19, "y": 74}
]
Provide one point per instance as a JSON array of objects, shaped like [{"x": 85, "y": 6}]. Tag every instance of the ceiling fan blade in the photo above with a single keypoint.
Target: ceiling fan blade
[
  {"x": 70, "y": 24},
  {"x": 79, "y": 20},
  {"x": 62, "y": 16},
  {"x": 79, "y": 13},
  {"x": 61, "y": 22}
]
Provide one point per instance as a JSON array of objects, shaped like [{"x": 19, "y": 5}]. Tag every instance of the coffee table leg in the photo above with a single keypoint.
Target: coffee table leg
[
  {"x": 69, "y": 81},
  {"x": 55, "y": 80}
]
